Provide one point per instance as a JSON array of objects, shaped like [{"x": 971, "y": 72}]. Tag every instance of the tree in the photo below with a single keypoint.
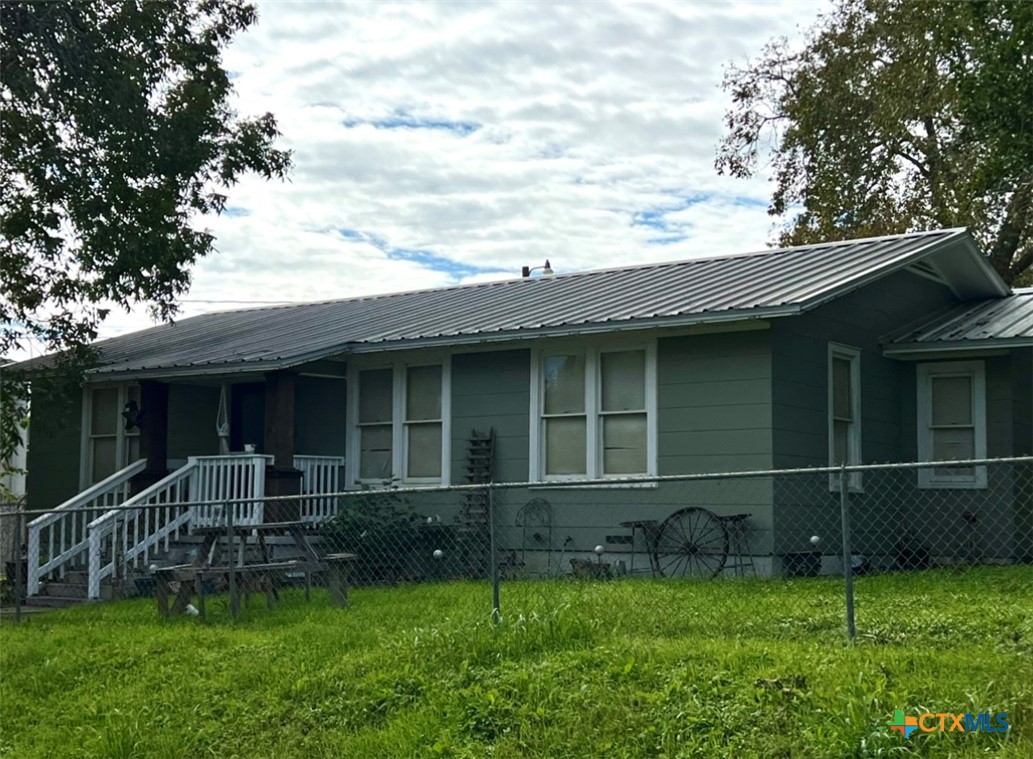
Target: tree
[
  {"x": 895, "y": 116},
  {"x": 118, "y": 136}
]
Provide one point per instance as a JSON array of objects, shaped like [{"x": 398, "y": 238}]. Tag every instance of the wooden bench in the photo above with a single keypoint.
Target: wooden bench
[
  {"x": 192, "y": 578},
  {"x": 235, "y": 575}
]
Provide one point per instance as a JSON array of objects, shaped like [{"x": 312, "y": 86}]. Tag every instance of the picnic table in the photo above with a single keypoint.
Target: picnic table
[{"x": 179, "y": 584}]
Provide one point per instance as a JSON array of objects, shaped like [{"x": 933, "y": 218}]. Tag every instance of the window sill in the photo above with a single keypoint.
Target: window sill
[
  {"x": 952, "y": 486},
  {"x": 592, "y": 485}
]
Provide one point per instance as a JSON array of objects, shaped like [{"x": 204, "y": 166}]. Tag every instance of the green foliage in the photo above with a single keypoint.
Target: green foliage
[
  {"x": 118, "y": 134},
  {"x": 896, "y": 115},
  {"x": 380, "y": 527},
  {"x": 635, "y": 668}
]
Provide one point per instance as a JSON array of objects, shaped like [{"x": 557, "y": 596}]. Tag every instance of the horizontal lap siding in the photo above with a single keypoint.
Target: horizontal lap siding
[
  {"x": 191, "y": 424},
  {"x": 803, "y": 505},
  {"x": 800, "y": 364},
  {"x": 54, "y": 450},
  {"x": 714, "y": 403},
  {"x": 714, "y": 415},
  {"x": 320, "y": 408},
  {"x": 492, "y": 390}
]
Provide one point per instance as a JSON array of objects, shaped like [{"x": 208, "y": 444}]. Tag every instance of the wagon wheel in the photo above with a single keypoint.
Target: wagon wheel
[{"x": 692, "y": 542}]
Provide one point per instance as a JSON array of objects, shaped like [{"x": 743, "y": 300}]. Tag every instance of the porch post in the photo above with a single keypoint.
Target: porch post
[
  {"x": 281, "y": 478},
  {"x": 154, "y": 434}
]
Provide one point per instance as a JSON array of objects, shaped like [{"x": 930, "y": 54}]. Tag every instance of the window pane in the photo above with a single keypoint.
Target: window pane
[
  {"x": 952, "y": 400},
  {"x": 105, "y": 414},
  {"x": 375, "y": 396},
  {"x": 564, "y": 385},
  {"x": 565, "y": 446},
  {"x": 103, "y": 458},
  {"x": 424, "y": 450},
  {"x": 624, "y": 444},
  {"x": 841, "y": 442},
  {"x": 624, "y": 381},
  {"x": 951, "y": 445},
  {"x": 423, "y": 393},
  {"x": 375, "y": 461},
  {"x": 842, "y": 406}
]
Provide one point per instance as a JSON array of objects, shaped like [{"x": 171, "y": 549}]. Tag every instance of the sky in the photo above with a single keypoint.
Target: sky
[{"x": 445, "y": 143}]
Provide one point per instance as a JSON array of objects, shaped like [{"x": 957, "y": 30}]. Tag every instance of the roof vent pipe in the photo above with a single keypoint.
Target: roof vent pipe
[{"x": 546, "y": 270}]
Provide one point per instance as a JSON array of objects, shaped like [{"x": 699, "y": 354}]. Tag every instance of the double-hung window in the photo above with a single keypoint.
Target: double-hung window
[
  {"x": 401, "y": 419},
  {"x": 594, "y": 414},
  {"x": 109, "y": 446},
  {"x": 844, "y": 382},
  {"x": 952, "y": 423}
]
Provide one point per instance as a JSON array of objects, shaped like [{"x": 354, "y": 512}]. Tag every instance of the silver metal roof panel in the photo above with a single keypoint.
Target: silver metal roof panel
[
  {"x": 1000, "y": 322},
  {"x": 763, "y": 284}
]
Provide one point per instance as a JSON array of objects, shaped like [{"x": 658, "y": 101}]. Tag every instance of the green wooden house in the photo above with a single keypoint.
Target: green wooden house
[{"x": 847, "y": 352}]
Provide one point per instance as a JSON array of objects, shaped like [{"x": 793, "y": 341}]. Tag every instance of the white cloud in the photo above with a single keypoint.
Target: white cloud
[{"x": 489, "y": 136}]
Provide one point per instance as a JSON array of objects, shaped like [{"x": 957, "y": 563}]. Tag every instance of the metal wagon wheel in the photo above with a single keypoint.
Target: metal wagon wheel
[{"x": 692, "y": 542}]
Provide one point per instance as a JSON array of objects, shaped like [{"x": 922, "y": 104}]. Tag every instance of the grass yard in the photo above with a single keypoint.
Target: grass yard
[{"x": 593, "y": 669}]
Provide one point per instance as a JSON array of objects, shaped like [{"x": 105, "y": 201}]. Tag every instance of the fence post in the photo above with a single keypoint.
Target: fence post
[
  {"x": 848, "y": 567},
  {"x": 496, "y": 614},
  {"x": 18, "y": 553},
  {"x": 231, "y": 563}
]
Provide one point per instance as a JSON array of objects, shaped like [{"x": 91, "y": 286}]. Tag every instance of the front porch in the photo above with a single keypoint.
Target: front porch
[{"x": 109, "y": 531}]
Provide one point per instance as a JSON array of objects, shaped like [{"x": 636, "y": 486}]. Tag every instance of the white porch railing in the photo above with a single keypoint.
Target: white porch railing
[
  {"x": 133, "y": 534},
  {"x": 58, "y": 541},
  {"x": 319, "y": 474},
  {"x": 129, "y": 536},
  {"x": 105, "y": 530},
  {"x": 219, "y": 479}
]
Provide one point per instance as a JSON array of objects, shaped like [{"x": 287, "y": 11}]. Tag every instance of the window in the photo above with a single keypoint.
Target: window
[
  {"x": 952, "y": 423},
  {"x": 594, "y": 413},
  {"x": 400, "y": 415},
  {"x": 108, "y": 445},
  {"x": 844, "y": 383}
]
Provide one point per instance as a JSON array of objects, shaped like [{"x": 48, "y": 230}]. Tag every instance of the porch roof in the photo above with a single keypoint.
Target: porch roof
[
  {"x": 760, "y": 285},
  {"x": 997, "y": 323}
]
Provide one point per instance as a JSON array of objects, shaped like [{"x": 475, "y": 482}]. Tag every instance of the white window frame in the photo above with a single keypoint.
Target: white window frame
[
  {"x": 976, "y": 371},
  {"x": 853, "y": 355},
  {"x": 593, "y": 413},
  {"x": 399, "y": 424},
  {"x": 85, "y": 442}
]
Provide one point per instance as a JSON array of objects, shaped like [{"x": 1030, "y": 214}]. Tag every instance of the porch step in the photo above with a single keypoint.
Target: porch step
[{"x": 65, "y": 590}]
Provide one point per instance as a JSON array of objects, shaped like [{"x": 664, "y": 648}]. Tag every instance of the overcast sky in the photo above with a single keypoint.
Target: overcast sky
[{"x": 446, "y": 143}]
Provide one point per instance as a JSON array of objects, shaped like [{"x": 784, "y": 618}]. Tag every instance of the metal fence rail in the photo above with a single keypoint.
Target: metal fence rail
[{"x": 719, "y": 527}]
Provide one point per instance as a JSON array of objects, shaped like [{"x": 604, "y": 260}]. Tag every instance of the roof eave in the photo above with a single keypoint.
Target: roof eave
[
  {"x": 905, "y": 350},
  {"x": 101, "y": 374}
]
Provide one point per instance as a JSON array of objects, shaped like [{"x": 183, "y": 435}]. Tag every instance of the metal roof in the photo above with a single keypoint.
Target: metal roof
[
  {"x": 1001, "y": 322},
  {"x": 764, "y": 284}
]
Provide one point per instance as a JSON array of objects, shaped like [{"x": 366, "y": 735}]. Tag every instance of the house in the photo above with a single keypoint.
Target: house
[{"x": 796, "y": 357}]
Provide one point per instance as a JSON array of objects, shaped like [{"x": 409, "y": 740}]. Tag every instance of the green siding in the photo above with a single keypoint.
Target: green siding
[
  {"x": 192, "y": 413},
  {"x": 804, "y": 505},
  {"x": 55, "y": 441},
  {"x": 800, "y": 362},
  {"x": 492, "y": 390},
  {"x": 714, "y": 402},
  {"x": 319, "y": 417}
]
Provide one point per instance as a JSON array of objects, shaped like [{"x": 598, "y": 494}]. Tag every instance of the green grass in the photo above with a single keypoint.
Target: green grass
[{"x": 624, "y": 669}]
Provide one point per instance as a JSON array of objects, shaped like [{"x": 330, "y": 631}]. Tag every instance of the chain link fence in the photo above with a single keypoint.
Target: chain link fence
[{"x": 201, "y": 559}]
